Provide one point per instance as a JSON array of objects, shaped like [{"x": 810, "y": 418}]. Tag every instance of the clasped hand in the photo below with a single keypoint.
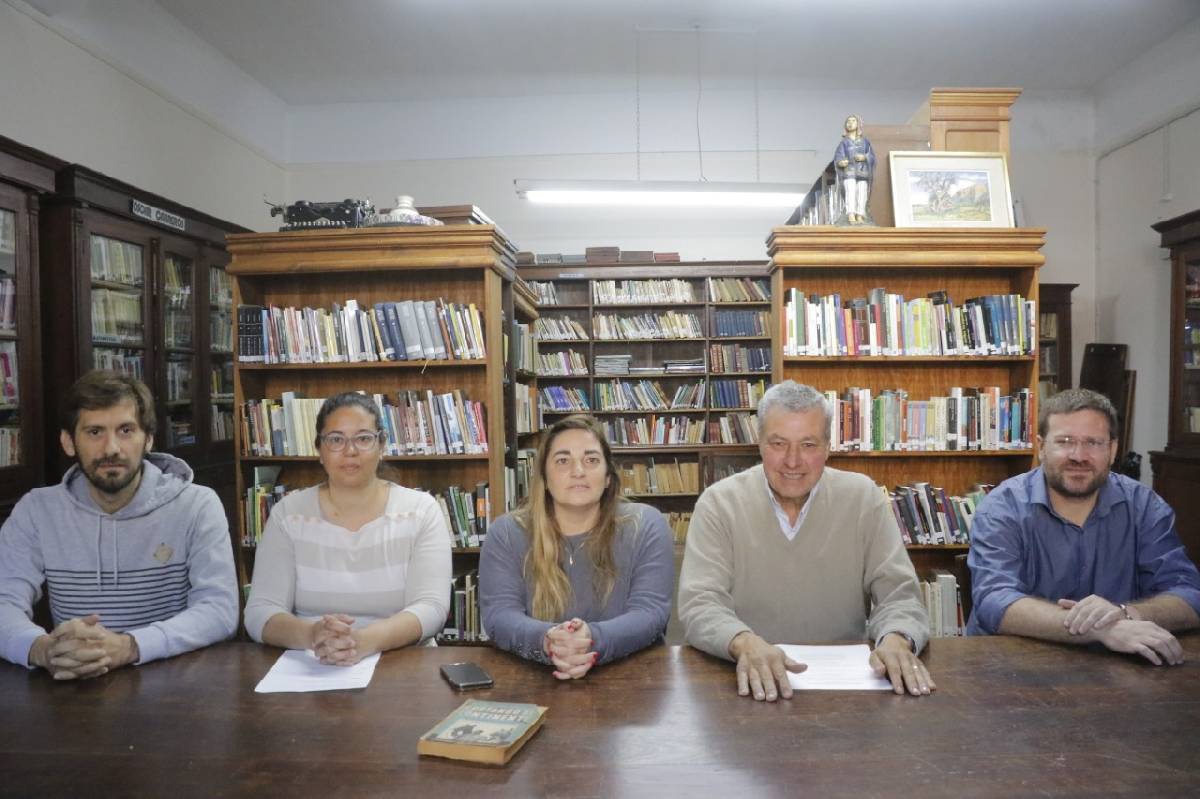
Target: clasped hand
[
  {"x": 82, "y": 648},
  {"x": 334, "y": 641},
  {"x": 1105, "y": 622},
  {"x": 569, "y": 647}
]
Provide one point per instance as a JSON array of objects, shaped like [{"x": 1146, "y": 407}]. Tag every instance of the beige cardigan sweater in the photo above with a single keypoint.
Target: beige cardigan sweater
[{"x": 845, "y": 576}]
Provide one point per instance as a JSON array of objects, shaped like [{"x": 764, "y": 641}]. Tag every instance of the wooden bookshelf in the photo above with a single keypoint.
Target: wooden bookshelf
[
  {"x": 965, "y": 262},
  {"x": 173, "y": 341},
  {"x": 459, "y": 263},
  {"x": 1054, "y": 338},
  {"x": 26, "y": 177},
  {"x": 574, "y": 285}
]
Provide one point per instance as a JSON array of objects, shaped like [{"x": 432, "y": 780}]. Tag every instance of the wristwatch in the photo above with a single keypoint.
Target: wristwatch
[{"x": 1125, "y": 609}]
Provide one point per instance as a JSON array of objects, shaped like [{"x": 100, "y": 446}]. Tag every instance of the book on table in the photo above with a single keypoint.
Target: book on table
[{"x": 483, "y": 732}]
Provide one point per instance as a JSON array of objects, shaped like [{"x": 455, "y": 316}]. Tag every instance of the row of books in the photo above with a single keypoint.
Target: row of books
[
  {"x": 563, "y": 399},
  {"x": 409, "y": 330},
  {"x": 464, "y": 622},
  {"x": 942, "y": 597},
  {"x": 10, "y": 446},
  {"x": 638, "y": 292},
  {"x": 738, "y": 358},
  {"x": 887, "y": 324},
  {"x": 418, "y": 423},
  {"x": 180, "y": 429},
  {"x": 742, "y": 323},
  {"x": 221, "y": 331},
  {"x": 667, "y": 325},
  {"x": 647, "y": 395},
  {"x": 8, "y": 232},
  {"x": 526, "y": 409},
  {"x": 466, "y": 513},
  {"x": 967, "y": 419},
  {"x": 10, "y": 390},
  {"x": 643, "y": 479},
  {"x": 262, "y": 494},
  {"x": 116, "y": 317},
  {"x": 524, "y": 348},
  {"x": 545, "y": 291},
  {"x": 518, "y": 478},
  {"x": 566, "y": 362},
  {"x": 220, "y": 384},
  {"x": 220, "y": 288},
  {"x": 738, "y": 289},
  {"x": 179, "y": 380},
  {"x": 926, "y": 514},
  {"x": 735, "y": 393},
  {"x": 126, "y": 362},
  {"x": 549, "y": 328},
  {"x": 177, "y": 282},
  {"x": 177, "y": 329},
  {"x": 654, "y": 431},
  {"x": 722, "y": 358},
  {"x": 597, "y": 255},
  {"x": 8, "y": 304},
  {"x": 679, "y": 521},
  {"x": 221, "y": 423},
  {"x": 116, "y": 261}
]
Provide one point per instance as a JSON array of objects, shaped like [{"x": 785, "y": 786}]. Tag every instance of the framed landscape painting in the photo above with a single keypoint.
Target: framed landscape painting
[{"x": 946, "y": 189}]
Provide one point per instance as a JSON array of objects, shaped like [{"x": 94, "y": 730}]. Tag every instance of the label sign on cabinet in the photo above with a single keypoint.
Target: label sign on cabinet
[{"x": 158, "y": 215}]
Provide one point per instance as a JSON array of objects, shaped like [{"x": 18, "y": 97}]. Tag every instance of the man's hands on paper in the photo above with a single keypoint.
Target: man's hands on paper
[
  {"x": 895, "y": 659},
  {"x": 82, "y": 648},
  {"x": 762, "y": 667}
]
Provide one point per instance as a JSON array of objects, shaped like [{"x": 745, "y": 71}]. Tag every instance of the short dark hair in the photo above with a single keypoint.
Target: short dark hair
[
  {"x": 1072, "y": 400},
  {"x": 101, "y": 388},
  {"x": 347, "y": 399}
]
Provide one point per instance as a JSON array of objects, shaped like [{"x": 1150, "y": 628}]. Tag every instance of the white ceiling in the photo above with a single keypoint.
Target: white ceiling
[{"x": 318, "y": 51}]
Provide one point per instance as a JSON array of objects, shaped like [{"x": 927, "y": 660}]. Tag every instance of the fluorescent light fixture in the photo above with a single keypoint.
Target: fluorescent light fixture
[{"x": 674, "y": 193}]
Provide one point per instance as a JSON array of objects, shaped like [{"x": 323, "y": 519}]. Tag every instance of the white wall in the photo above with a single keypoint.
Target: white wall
[
  {"x": 1133, "y": 276},
  {"x": 61, "y": 99},
  {"x": 1148, "y": 169}
]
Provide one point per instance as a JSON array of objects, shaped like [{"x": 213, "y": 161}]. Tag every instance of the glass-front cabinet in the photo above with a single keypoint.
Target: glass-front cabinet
[
  {"x": 1185, "y": 417},
  {"x": 158, "y": 307},
  {"x": 26, "y": 177}
]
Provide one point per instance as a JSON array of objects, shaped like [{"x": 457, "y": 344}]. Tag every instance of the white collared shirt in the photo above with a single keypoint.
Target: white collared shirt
[{"x": 789, "y": 529}]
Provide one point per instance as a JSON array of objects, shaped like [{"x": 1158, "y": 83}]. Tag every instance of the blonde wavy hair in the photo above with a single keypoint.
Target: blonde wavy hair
[{"x": 552, "y": 592}]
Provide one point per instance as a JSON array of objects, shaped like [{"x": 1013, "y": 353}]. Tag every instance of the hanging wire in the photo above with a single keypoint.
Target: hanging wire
[
  {"x": 757, "y": 148},
  {"x": 699, "y": 93},
  {"x": 637, "y": 93}
]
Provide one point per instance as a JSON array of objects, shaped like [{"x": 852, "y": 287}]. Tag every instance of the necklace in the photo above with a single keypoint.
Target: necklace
[{"x": 572, "y": 551}]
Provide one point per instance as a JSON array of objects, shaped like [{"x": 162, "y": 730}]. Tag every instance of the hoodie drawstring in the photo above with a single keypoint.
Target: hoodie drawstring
[{"x": 116, "y": 557}]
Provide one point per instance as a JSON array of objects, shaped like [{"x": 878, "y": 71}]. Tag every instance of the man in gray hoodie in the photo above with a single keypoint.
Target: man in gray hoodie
[{"x": 136, "y": 559}]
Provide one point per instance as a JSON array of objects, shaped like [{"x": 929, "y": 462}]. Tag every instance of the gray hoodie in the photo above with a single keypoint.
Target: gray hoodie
[{"x": 160, "y": 568}]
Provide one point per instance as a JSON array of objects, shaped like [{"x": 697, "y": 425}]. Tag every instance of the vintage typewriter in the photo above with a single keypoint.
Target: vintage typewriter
[{"x": 305, "y": 215}]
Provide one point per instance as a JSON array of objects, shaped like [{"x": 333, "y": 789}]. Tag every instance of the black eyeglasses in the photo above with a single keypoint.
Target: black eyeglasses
[{"x": 363, "y": 442}]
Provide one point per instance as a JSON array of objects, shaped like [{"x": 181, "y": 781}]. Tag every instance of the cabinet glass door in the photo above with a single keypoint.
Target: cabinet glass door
[
  {"x": 220, "y": 302},
  {"x": 179, "y": 313},
  {"x": 1190, "y": 349},
  {"x": 10, "y": 394},
  {"x": 118, "y": 320}
]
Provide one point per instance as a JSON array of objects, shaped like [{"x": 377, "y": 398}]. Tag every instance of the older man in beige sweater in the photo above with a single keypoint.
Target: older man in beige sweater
[{"x": 792, "y": 551}]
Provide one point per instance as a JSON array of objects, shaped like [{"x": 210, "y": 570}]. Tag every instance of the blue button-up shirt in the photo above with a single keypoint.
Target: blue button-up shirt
[{"x": 1125, "y": 551}]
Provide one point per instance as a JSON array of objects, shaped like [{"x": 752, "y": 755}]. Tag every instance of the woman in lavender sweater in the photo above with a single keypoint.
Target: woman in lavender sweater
[{"x": 577, "y": 576}]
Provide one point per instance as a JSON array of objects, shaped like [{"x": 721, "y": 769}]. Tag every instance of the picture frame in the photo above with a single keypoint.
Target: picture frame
[{"x": 950, "y": 189}]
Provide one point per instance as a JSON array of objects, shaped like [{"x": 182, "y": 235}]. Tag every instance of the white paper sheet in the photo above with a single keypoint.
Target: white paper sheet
[
  {"x": 834, "y": 668},
  {"x": 299, "y": 670}
]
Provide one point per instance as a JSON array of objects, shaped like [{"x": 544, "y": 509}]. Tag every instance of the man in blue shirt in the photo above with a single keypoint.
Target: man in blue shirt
[{"x": 1072, "y": 553}]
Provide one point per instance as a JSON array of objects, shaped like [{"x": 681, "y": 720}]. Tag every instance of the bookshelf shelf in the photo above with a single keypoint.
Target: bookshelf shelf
[
  {"x": 465, "y": 264},
  {"x": 576, "y": 287},
  {"x": 385, "y": 365},
  {"x": 1054, "y": 338},
  {"x": 963, "y": 262}
]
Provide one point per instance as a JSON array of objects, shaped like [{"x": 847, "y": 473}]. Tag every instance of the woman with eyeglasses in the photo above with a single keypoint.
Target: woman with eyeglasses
[
  {"x": 578, "y": 576},
  {"x": 357, "y": 564}
]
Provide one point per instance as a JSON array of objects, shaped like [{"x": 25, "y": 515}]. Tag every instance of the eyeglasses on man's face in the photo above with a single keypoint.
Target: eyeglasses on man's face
[
  {"x": 363, "y": 442},
  {"x": 1070, "y": 443}
]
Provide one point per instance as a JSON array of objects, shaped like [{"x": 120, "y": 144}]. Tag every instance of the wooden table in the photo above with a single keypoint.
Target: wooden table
[{"x": 1011, "y": 718}]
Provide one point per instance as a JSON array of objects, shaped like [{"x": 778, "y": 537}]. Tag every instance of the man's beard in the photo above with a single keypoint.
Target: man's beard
[
  {"x": 1057, "y": 480},
  {"x": 111, "y": 485}
]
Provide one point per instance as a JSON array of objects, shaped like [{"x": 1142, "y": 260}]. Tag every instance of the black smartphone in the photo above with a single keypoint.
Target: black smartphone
[{"x": 465, "y": 676}]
